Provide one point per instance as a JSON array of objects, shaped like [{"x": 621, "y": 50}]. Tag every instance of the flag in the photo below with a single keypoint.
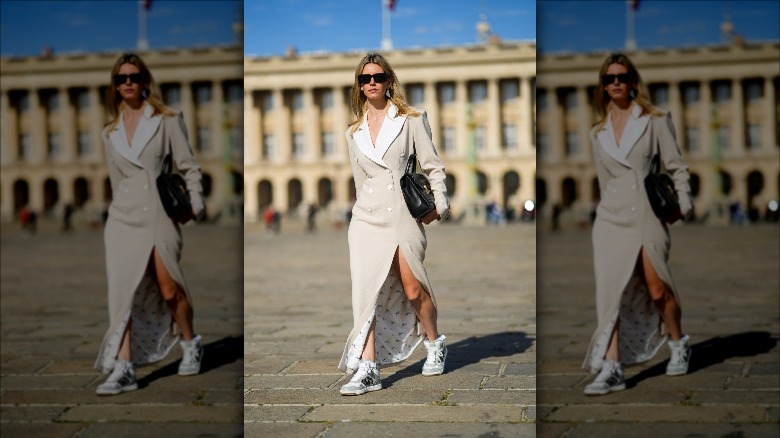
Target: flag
[
  {"x": 635, "y": 5},
  {"x": 147, "y": 4},
  {"x": 390, "y": 4}
]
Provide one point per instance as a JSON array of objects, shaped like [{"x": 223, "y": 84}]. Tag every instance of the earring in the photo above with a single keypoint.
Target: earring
[
  {"x": 145, "y": 93},
  {"x": 632, "y": 93}
]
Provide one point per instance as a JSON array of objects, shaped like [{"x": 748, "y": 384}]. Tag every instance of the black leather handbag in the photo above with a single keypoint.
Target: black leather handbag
[
  {"x": 416, "y": 190},
  {"x": 661, "y": 193},
  {"x": 173, "y": 191}
]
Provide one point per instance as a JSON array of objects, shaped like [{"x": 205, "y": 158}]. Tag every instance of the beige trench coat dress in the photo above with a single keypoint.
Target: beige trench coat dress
[
  {"x": 136, "y": 224},
  {"x": 381, "y": 222},
  {"x": 625, "y": 223}
]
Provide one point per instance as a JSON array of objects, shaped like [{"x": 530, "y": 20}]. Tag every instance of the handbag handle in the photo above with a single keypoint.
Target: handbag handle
[
  {"x": 167, "y": 161},
  {"x": 411, "y": 163},
  {"x": 655, "y": 163}
]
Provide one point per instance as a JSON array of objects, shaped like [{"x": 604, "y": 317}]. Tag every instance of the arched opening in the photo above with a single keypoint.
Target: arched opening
[
  {"x": 541, "y": 193},
  {"x": 725, "y": 182},
  {"x": 206, "y": 183},
  {"x": 755, "y": 184},
  {"x": 695, "y": 185},
  {"x": 21, "y": 194},
  {"x": 568, "y": 191},
  {"x": 451, "y": 183},
  {"x": 482, "y": 183},
  {"x": 511, "y": 184},
  {"x": 108, "y": 195},
  {"x": 351, "y": 187},
  {"x": 265, "y": 194},
  {"x": 80, "y": 192},
  {"x": 294, "y": 194},
  {"x": 595, "y": 190},
  {"x": 324, "y": 192},
  {"x": 51, "y": 194},
  {"x": 238, "y": 182}
]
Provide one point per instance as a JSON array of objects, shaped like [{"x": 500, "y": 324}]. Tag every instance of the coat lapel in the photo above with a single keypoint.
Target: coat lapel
[
  {"x": 118, "y": 139},
  {"x": 147, "y": 126},
  {"x": 635, "y": 127},
  {"x": 363, "y": 140},
  {"x": 391, "y": 127},
  {"x": 606, "y": 139}
]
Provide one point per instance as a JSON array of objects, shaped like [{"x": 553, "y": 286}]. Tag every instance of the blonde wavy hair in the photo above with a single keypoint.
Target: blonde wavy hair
[
  {"x": 397, "y": 95},
  {"x": 639, "y": 92},
  {"x": 150, "y": 91}
]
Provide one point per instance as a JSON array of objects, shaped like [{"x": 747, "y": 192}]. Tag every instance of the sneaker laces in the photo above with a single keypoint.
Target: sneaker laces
[
  {"x": 191, "y": 355},
  {"x": 435, "y": 354},
  {"x": 363, "y": 370}
]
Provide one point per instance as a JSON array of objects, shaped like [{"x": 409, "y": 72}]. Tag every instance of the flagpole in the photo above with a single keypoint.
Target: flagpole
[
  {"x": 630, "y": 40},
  {"x": 387, "y": 43},
  {"x": 143, "y": 44}
]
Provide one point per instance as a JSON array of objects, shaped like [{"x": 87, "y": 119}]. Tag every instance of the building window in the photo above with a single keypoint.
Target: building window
[
  {"x": 204, "y": 138},
  {"x": 84, "y": 149},
  {"x": 298, "y": 145},
  {"x": 541, "y": 100},
  {"x": 724, "y": 137},
  {"x": 692, "y": 138},
  {"x": 509, "y": 136},
  {"x": 754, "y": 90},
  {"x": 327, "y": 144},
  {"x": 235, "y": 92},
  {"x": 268, "y": 146},
  {"x": 267, "y": 101},
  {"x": 53, "y": 102},
  {"x": 570, "y": 100},
  {"x": 202, "y": 93},
  {"x": 477, "y": 91},
  {"x": 446, "y": 93},
  {"x": 24, "y": 102},
  {"x": 326, "y": 100},
  {"x": 572, "y": 143},
  {"x": 25, "y": 147},
  {"x": 296, "y": 100},
  {"x": 448, "y": 138},
  {"x": 82, "y": 100},
  {"x": 753, "y": 139},
  {"x": 53, "y": 149},
  {"x": 543, "y": 143},
  {"x": 172, "y": 95},
  {"x": 480, "y": 137},
  {"x": 659, "y": 93},
  {"x": 510, "y": 90},
  {"x": 416, "y": 95},
  {"x": 237, "y": 141},
  {"x": 722, "y": 91},
  {"x": 690, "y": 92}
]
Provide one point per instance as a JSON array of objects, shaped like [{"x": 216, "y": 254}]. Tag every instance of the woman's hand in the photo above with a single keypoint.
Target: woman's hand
[{"x": 430, "y": 217}]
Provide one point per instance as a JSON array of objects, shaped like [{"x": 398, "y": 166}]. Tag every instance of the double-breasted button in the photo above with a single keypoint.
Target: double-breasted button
[
  {"x": 356, "y": 160},
  {"x": 390, "y": 209},
  {"x": 370, "y": 210},
  {"x": 370, "y": 190},
  {"x": 389, "y": 171},
  {"x": 389, "y": 187}
]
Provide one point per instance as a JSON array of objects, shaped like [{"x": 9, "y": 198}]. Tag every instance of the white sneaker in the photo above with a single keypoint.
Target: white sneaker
[
  {"x": 437, "y": 353},
  {"x": 121, "y": 379},
  {"x": 610, "y": 379},
  {"x": 192, "y": 357},
  {"x": 366, "y": 379},
  {"x": 681, "y": 357}
]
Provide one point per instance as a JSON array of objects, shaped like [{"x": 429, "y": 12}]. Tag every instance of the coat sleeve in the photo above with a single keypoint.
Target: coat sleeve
[
  {"x": 431, "y": 164},
  {"x": 357, "y": 172},
  {"x": 186, "y": 163},
  {"x": 675, "y": 163}
]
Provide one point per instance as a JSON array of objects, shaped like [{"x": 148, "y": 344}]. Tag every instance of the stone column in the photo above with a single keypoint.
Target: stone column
[
  {"x": 10, "y": 137},
  {"x": 494, "y": 147},
  {"x": 38, "y": 130},
  {"x": 67, "y": 127},
  {"x": 525, "y": 133},
  {"x": 282, "y": 140},
  {"x": 432, "y": 108},
  {"x": 556, "y": 147},
  {"x": 738, "y": 118},
  {"x": 461, "y": 119},
  {"x": 675, "y": 106},
  {"x": 583, "y": 125},
  {"x": 340, "y": 120},
  {"x": 96, "y": 122},
  {"x": 188, "y": 112},
  {"x": 705, "y": 125},
  {"x": 312, "y": 126},
  {"x": 769, "y": 140},
  {"x": 280, "y": 192},
  {"x": 217, "y": 123},
  {"x": 250, "y": 191},
  {"x": 252, "y": 129}
]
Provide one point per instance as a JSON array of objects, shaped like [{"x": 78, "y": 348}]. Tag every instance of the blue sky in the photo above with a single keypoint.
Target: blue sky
[
  {"x": 271, "y": 26},
  {"x": 89, "y": 26},
  {"x": 579, "y": 26}
]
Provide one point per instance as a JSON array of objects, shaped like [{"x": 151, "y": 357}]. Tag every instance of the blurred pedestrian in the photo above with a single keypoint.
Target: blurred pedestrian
[
  {"x": 143, "y": 245},
  {"x": 635, "y": 293},
  {"x": 387, "y": 244}
]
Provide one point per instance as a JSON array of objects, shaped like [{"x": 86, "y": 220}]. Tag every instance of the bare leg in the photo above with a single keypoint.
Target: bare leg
[
  {"x": 175, "y": 298},
  {"x": 613, "y": 352},
  {"x": 417, "y": 295},
  {"x": 368, "y": 351},
  {"x": 663, "y": 298},
  {"x": 124, "y": 347}
]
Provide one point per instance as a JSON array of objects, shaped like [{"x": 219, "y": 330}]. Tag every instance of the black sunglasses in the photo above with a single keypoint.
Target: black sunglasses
[
  {"x": 135, "y": 78},
  {"x": 378, "y": 78},
  {"x": 623, "y": 78}
]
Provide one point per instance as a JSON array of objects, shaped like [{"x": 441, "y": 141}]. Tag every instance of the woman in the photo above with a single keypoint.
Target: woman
[
  {"x": 634, "y": 287},
  {"x": 143, "y": 245},
  {"x": 392, "y": 300}
]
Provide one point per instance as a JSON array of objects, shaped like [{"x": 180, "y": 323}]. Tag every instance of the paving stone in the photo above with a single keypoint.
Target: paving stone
[
  {"x": 274, "y": 413},
  {"x": 492, "y": 396},
  {"x": 286, "y": 430},
  {"x": 421, "y": 429},
  {"x": 332, "y": 396},
  {"x": 651, "y": 413},
  {"x": 666, "y": 429},
  {"x": 37, "y": 414},
  {"x": 413, "y": 413},
  {"x": 153, "y": 413},
  {"x": 511, "y": 382},
  {"x": 39, "y": 430},
  {"x": 11, "y": 382},
  {"x": 733, "y": 396},
  {"x": 291, "y": 382},
  {"x": 70, "y": 397},
  {"x": 760, "y": 382},
  {"x": 162, "y": 430}
]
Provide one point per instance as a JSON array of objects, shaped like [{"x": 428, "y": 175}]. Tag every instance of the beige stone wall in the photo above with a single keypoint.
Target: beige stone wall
[
  {"x": 737, "y": 92},
  {"x": 43, "y": 137},
  {"x": 304, "y": 97}
]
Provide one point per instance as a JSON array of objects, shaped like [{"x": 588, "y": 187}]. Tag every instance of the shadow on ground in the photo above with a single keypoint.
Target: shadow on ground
[
  {"x": 216, "y": 354},
  {"x": 470, "y": 351},
  {"x": 714, "y": 351}
]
